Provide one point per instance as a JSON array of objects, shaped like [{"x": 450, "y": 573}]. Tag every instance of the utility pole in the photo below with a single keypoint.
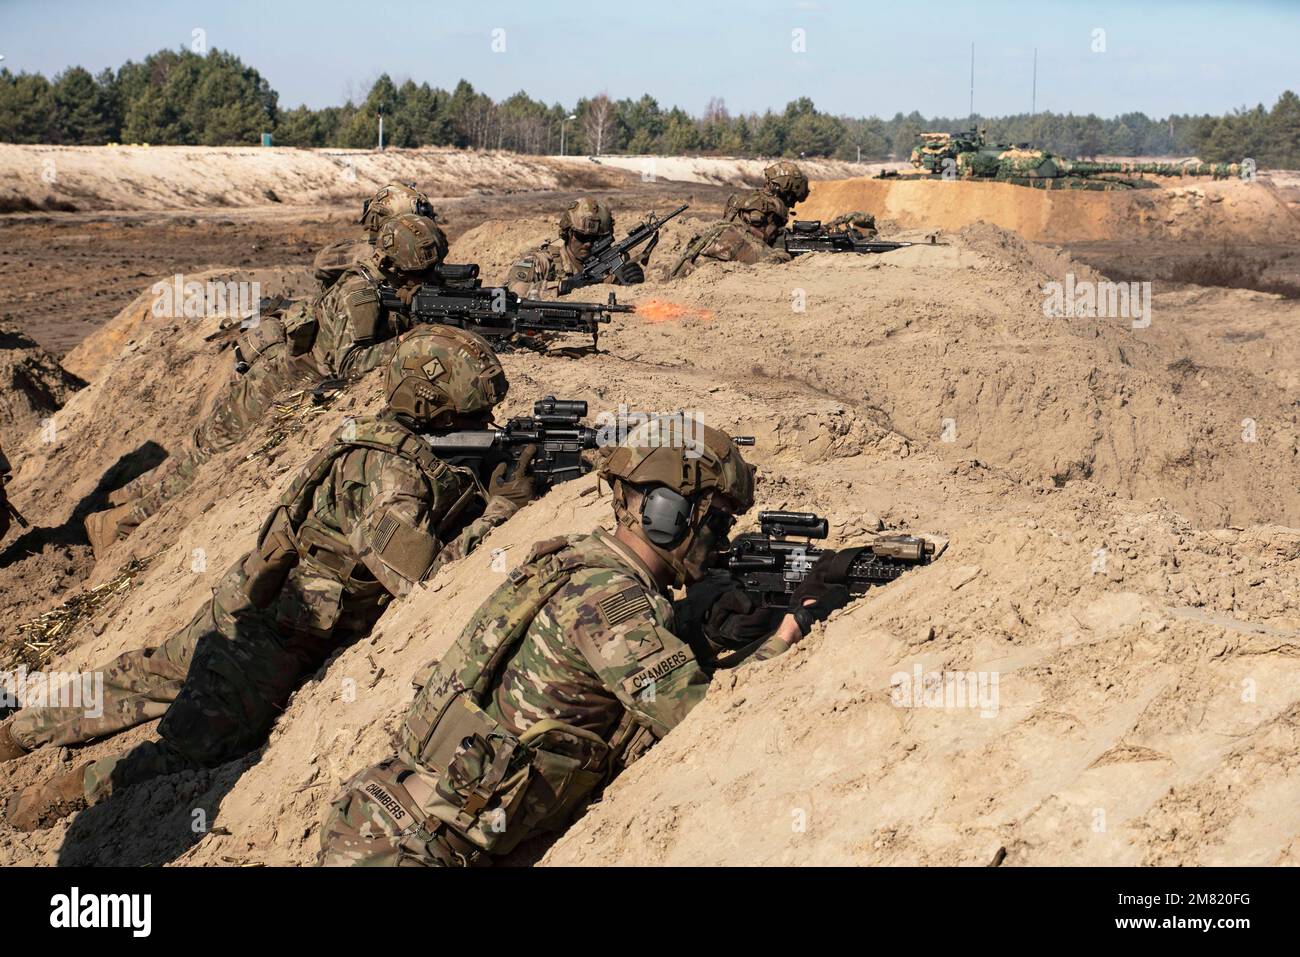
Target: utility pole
[
  {"x": 562, "y": 122},
  {"x": 1033, "y": 97}
]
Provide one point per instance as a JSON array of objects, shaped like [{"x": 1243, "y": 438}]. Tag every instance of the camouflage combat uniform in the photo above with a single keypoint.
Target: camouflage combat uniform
[
  {"x": 394, "y": 199},
  {"x": 860, "y": 224},
  {"x": 526, "y": 717},
  {"x": 751, "y": 224},
  {"x": 371, "y": 515},
  {"x": 344, "y": 333},
  {"x": 538, "y": 274}
]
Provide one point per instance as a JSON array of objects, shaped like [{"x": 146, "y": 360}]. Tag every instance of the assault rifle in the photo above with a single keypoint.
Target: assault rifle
[
  {"x": 808, "y": 236},
  {"x": 554, "y": 427},
  {"x": 769, "y": 565},
  {"x": 496, "y": 311},
  {"x": 607, "y": 256}
]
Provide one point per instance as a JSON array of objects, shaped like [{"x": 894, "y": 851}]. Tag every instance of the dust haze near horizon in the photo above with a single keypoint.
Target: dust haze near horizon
[{"x": 1203, "y": 56}]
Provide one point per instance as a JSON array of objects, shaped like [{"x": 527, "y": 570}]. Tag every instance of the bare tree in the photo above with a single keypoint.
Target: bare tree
[{"x": 597, "y": 122}]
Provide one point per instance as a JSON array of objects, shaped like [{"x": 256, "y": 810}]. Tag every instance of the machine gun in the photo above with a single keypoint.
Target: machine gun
[
  {"x": 607, "y": 255},
  {"x": 496, "y": 311},
  {"x": 769, "y": 565},
  {"x": 809, "y": 236},
  {"x": 554, "y": 427}
]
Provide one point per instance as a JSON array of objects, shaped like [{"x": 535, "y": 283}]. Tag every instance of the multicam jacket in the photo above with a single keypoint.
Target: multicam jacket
[{"x": 538, "y": 274}]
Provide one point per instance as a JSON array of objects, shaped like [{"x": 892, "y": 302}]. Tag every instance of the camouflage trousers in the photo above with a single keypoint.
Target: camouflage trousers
[
  {"x": 243, "y": 405},
  {"x": 377, "y": 821},
  {"x": 219, "y": 683}
]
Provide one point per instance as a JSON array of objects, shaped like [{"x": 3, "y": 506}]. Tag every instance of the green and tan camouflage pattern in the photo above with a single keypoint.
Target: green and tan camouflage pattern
[
  {"x": 440, "y": 370},
  {"x": 860, "y": 224},
  {"x": 600, "y": 657},
  {"x": 537, "y": 274},
  {"x": 726, "y": 242},
  {"x": 786, "y": 181},
  {"x": 220, "y": 682}
]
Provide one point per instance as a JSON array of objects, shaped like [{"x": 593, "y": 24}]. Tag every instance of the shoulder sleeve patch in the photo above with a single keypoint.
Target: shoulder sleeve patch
[{"x": 627, "y": 604}]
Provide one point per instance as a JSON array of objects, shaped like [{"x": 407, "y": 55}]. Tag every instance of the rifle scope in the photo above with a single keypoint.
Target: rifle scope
[
  {"x": 803, "y": 524},
  {"x": 549, "y": 406}
]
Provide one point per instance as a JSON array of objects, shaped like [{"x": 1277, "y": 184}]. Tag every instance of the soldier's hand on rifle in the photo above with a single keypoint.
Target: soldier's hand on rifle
[
  {"x": 628, "y": 274},
  {"x": 823, "y": 590},
  {"x": 518, "y": 486},
  {"x": 736, "y": 619}
]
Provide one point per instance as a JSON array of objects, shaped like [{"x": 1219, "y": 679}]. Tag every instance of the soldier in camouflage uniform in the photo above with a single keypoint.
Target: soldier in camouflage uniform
[
  {"x": 748, "y": 235},
  {"x": 586, "y": 221},
  {"x": 571, "y": 669},
  {"x": 857, "y": 223},
  {"x": 342, "y": 334},
  {"x": 751, "y": 224},
  {"x": 391, "y": 200},
  {"x": 367, "y": 519}
]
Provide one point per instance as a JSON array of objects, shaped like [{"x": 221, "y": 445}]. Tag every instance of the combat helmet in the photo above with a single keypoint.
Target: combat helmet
[
  {"x": 681, "y": 467},
  {"x": 787, "y": 181},
  {"x": 438, "y": 371},
  {"x": 588, "y": 216},
  {"x": 410, "y": 243},
  {"x": 393, "y": 200}
]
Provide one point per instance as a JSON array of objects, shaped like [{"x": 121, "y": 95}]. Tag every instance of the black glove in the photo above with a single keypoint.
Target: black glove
[
  {"x": 520, "y": 487},
  {"x": 629, "y": 274},
  {"x": 822, "y": 591},
  {"x": 736, "y": 620}
]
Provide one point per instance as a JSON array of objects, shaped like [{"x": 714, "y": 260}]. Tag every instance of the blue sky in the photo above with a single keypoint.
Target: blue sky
[{"x": 860, "y": 58}]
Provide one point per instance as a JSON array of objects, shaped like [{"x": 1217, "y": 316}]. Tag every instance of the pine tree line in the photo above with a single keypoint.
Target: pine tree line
[{"x": 181, "y": 97}]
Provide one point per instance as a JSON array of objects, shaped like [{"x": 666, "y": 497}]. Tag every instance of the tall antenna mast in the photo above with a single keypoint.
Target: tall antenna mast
[
  {"x": 972, "y": 80},
  {"x": 1033, "y": 97}
]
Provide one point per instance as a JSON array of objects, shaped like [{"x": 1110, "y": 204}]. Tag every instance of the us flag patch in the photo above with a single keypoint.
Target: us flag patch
[{"x": 628, "y": 603}]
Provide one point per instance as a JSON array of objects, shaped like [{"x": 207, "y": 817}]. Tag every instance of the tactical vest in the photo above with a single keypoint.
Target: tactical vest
[
  {"x": 495, "y": 788},
  {"x": 292, "y": 534}
]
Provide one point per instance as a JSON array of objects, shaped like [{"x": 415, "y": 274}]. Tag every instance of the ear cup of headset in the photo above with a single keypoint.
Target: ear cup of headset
[{"x": 665, "y": 517}]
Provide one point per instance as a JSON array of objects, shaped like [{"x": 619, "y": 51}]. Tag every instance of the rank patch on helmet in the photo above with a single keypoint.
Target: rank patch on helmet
[
  {"x": 433, "y": 368},
  {"x": 627, "y": 604}
]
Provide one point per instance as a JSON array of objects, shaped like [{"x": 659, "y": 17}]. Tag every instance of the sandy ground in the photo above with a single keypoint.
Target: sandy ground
[
  {"x": 1204, "y": 209},
  {"x": 79, "y": 178},
  {"x": 1124, "y": 560}
]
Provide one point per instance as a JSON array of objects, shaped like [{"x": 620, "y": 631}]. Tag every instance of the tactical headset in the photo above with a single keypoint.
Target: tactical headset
[{"x": 665, "y": 516}]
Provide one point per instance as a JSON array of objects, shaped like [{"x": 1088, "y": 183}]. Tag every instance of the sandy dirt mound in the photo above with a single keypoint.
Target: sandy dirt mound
[
  {"x": 163, "y": 375},
  {"x": 1145, "y": 655},
  {"x": 1226, "y": 209},
  {"x": 170, "y": 177},
  {"x": 32, "y": 384},
  {"x": 720, "y": 170}
]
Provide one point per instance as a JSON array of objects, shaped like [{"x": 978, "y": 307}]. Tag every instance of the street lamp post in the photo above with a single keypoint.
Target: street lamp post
[{"x": 562, "y": 122}]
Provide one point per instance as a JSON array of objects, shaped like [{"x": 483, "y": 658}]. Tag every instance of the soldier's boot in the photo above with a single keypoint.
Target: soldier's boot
[
  {"x": 106, "y": 527},
  {"x": 40, "y": 805},
  {"x": 9, "y": 748},
  {"x": 122, "y": 496}
]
